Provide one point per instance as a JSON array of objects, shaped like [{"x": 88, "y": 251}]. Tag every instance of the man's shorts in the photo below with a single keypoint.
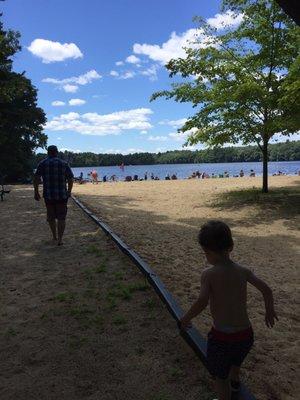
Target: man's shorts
[
  {"x": 225, "y": 350},
  {"x": 56, "y": 209}
]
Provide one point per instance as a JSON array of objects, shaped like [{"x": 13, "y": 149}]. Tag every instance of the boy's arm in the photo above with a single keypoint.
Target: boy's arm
[
  {"x": 199, "y": 305},
  {"x": 268, "y": 298}
]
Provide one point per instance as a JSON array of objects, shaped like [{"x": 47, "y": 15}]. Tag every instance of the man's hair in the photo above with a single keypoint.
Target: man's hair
[
  {"x": 52, "y": 150},
  {"x": 215, "y": 236}
]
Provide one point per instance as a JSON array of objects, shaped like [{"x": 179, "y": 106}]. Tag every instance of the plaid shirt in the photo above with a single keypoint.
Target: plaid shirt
[{"x": 55, "y": 173}]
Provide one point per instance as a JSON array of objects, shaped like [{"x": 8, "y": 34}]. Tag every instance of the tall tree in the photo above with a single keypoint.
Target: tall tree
[
  {"x": 245, "y": 80},
  {"x": 21, "y": 120}
]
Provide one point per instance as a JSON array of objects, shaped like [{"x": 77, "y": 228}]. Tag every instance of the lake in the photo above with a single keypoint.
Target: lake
[{"x": 185, "y": 170}]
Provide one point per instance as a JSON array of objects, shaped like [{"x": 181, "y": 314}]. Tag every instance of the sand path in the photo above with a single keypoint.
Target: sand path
[{"x": 78, "y": 321}]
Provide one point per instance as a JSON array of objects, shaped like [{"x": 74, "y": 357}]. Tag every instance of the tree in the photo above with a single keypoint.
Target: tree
[
  {"x": 21, "y": 121},
  {"x": 244, "y": 81}
]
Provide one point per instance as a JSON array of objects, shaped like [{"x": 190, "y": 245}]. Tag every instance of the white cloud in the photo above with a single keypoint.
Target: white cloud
[
  {"x": 58, "y": 103},
  {"x": 72, "y": 150},
  {"x": 119, "y": 63},
  {"x": 128, "y": 151},
  {"x": 70, "y": 85},
  {"x": 102, "y": 124},
  {"x": 50, "y": 51},
  {"x": 76, "y": 102},
  {"x": 70, "y": 88},
  {"x": 173, "y": 48},
  {"x": 133, "y": 59},
  {"x": 228, "y": 19},
  {"x": 157, "y": 138},
  {"x": 58, "y": 138},
  {"x": 178, "y": 123},
  {"x": 151, "y": 72},
  {"x": 114, "y": 73},
  {"x": 143, "y": 132},
  {"x": 127, "y": 75},
  {"x": 182, "y": 136}
]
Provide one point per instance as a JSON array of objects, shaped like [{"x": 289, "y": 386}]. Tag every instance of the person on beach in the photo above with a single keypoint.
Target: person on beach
[
  {"x": 57, "y": 187},
  {"x": 224, "y": 286},
  {"x": 94, "y": 175},
  {"x": 252, "y": 173}
]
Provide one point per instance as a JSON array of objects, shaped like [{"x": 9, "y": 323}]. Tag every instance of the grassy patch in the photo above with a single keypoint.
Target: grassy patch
[
  {"x": 76, "y": 342},
  {"x": 119, "y": 320},
  {"x": 93, "y": 249},
  {"x": 100, "y": 269},
  {"x": 10, "y": 332},
  {"x": 150, "y": 304},
  {"x": 61, "y": 297},
  {"x": 160, "y": 396},
  {"x": 176, "y": 372}
]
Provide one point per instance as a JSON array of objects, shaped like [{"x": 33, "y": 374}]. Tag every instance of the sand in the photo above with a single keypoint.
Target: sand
[
  {"x": 160, "y": 220},
  {"x": 70, "y": 327}
]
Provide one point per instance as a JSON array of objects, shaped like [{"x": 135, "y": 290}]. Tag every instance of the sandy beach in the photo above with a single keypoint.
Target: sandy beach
[
  {"x": 79, "y": 321},
  {"x": 161, "y": 219}
]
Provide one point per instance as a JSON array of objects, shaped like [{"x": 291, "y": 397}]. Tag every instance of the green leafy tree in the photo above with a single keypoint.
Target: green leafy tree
[
  {"x": 21, "y": 121},
  {"x": 245, "y": 80}
]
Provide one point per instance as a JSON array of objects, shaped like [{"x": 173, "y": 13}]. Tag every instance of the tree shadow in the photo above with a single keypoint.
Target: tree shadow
[{"x": 279, "y": 203}]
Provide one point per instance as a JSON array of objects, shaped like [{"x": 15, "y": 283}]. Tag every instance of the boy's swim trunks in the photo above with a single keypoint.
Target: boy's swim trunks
[{"x": 227, "y": 349}]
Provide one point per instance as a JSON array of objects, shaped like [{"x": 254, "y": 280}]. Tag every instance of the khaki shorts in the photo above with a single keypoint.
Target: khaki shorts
[{"x": 56, "y": 209}]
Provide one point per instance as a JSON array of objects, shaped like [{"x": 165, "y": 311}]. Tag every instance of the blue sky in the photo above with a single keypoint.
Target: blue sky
[{"x": 96, "y": 64}]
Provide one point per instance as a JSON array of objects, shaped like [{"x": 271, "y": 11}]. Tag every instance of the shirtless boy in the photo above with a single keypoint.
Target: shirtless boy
[{"x": 224, "y": 286}]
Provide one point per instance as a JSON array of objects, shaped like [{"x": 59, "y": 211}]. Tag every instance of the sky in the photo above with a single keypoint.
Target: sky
[{"x": 96, "y": 63}]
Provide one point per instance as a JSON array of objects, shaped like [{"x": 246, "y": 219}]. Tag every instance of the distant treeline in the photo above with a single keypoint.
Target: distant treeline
[{"x": 288, "y": 151}]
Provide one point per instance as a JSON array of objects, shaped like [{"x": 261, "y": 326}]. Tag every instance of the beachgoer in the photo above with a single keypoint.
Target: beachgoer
[
  {"x": 152, "y": 176},
  {"x": 146, "y": 176},
  {"x": 81, "y": 178},
  {"x": 128, "y": 178},
  {"x": 167, "y": 178},
  {"x": 57, "y": 187},
  {"x": 135, "y": 177},
  {"x": 104, "y": 178},
  {"x": 226, "y": 174},
  {"x": 224, "y": 287},
  {"x": 242, "y": 173},
  {"x": 156, "y": 178},
  {"x": 174, "y": 177},
  {"x": 94, "y": 175},
  {"x": 252, "y": 173},
  {"x": 113, "y": 178}
]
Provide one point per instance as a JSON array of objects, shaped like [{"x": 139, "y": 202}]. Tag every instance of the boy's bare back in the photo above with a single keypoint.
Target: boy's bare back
[{"x": 227, "y": 286}]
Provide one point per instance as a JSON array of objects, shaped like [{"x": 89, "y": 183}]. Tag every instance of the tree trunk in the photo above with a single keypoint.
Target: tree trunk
[{"x": 265, "y": 188}]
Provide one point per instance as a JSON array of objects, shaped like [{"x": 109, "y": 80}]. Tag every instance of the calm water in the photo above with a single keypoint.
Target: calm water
[{"x": 184, "y": 170}]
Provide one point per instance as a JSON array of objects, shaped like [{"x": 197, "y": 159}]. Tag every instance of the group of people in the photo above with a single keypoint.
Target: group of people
[
  {"x": 94, "y": 177},
  {"x": 223, "y": 283}
]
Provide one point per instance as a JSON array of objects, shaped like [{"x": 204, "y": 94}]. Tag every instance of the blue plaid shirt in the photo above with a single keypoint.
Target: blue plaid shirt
[{"x": 55, "y": 173}]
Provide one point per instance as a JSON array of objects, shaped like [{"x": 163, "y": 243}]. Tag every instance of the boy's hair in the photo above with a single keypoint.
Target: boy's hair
[{"x": 215, "y": 236}]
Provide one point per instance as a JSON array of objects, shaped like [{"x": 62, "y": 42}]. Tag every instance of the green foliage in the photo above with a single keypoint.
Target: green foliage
[
  {"x": 244, "y": 82},
  {"x": 288, "y": 151},
  {"x": 21, "y": 120}
]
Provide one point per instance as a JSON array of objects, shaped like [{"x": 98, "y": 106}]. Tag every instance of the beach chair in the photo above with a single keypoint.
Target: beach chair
[{"x": 2, "y": 189}]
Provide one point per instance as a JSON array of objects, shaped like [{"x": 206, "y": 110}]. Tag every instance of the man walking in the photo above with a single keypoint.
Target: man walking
[{"x": 57, "y": 186}]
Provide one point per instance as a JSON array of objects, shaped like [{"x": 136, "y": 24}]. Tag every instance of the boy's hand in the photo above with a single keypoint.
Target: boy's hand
[
  {"x": 184, "y": 323},
  {"x": 270, "y": 318}
]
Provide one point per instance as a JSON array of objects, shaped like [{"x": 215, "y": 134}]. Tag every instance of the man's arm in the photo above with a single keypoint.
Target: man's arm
[
  {"x": 199, "y": 305},
  {"x": 70, "y": 180},
  {"x": 36, "y": 182},
  {"x": 70, "y": 186},
  {"x": 267, "y": 293}
]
